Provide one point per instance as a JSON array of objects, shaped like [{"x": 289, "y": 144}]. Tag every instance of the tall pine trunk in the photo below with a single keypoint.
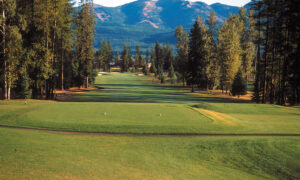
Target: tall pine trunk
[
  {"x": 87, "y": 82},
  {"x": 265, "y": 63},
  {"x": 62, "y": 61},
  {"x": 4, "y": 51},
  {"x": 8, "y": 87},
  {"x": 257, "y": 64}
]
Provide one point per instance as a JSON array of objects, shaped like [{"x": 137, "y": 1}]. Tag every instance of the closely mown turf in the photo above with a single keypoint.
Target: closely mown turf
[
  {"x": 130, "y": 104},
  {"x": 39, "y": 155}
]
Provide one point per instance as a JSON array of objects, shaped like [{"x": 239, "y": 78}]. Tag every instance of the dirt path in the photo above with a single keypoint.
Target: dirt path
[{"x": 153, "y": 134}]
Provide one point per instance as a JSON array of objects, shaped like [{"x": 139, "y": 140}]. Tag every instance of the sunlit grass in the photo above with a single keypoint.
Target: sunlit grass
[{"x": 38, "y": 155}]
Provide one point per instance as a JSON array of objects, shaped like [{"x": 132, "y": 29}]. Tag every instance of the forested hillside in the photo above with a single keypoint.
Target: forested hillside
[{"x": 145, "y": 21}]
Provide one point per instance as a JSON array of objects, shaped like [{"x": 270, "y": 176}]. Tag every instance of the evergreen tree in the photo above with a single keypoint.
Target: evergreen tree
[
  {"x": 147, "y": 58},
  {"x": 168, "y": 56},
  {"x": 239, "y": 85},
  {"x": 213, "y": 68},
  {"x": 161, "y": 76},
  {"x": 11, "y": 46},
  {"x": 138, "y": 57},
  {"x": 24, "y": 83},
  {"x": 277, "y": 46},
  {"x": 105, "y": 55},
  {"x": 247, "y": 45},
  {"x": 118, "y": 60},
  {"x": 145, "y": 69},
  {"x": 229, "y": 51},
  {"x": 197, "y": 64},
  {"x": 182, "y": 52},
  {"x": 153, "y": 58},
  {"x": 171, "y": 73},
  {"x": 131, "y": 61},
  {"x": 85, "y": 22},
  {"x": 125, "y": 60},
  {"x": 158, "y": 57},
  {"x": 64, "y": 36},
  {"x": 110, "y": 56}
]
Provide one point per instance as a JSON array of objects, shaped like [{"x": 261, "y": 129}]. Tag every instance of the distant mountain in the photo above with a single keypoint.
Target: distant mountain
[{"x": 146, "y": 21}]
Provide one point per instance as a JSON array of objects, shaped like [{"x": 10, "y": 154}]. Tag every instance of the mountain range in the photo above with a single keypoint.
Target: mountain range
[{"x": 144, "y": 22}]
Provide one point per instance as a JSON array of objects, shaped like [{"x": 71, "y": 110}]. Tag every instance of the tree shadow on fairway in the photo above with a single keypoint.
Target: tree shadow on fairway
[{"x": 143, "y": 93}]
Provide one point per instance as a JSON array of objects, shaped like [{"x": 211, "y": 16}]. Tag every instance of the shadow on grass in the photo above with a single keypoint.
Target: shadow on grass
[{"x": 142, "y": 93}]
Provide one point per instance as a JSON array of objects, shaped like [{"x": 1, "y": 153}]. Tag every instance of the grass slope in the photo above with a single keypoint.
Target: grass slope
[
  {"x": 130, "y": 104},
  {"x": 36, "y": 155}
]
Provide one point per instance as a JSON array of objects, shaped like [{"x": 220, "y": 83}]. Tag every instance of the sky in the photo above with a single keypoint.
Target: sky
[{"x": 114, "y": 3}]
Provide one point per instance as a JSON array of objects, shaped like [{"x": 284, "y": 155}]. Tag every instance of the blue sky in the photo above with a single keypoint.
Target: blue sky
[{"x": 113, "y": 3}]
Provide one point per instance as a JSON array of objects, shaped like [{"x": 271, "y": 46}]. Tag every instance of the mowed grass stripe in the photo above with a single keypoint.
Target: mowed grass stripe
[
  {"x": 43, "y": 155},
  {"x": 150, "y": 134}
]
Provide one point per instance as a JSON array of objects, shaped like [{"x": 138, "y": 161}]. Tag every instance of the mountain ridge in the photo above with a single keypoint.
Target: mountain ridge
[{"x": 146, "y": 21}]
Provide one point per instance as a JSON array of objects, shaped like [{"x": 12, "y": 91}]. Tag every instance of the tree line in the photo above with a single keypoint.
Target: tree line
[
  {"x": 45, "y": 45},
  {"x": 160, "y": 57},
  {"x": 277, "y": 41},
  {"x": 261, "y": 44},
  {"x": 212, "y": 56}
]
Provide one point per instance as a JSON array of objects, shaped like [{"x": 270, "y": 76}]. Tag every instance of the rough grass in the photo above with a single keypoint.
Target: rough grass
[{"x": 40, "y": 155}]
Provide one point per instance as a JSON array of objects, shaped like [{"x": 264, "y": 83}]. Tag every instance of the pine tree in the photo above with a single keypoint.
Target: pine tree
[
  {"x": 11, "y": 45},
  {"x": 168, "y": 56},
  {"x": 229, "y": 51},
  {"x": 105, "y": 55},
  {"x": 64, "y": 35},
  {"x": 277, "y": 45},
  {"x": 197, "y": 64},
  {"x": 125, "y": 60},
  {"x": 247, "y": 45},
  {"x": 131, "y": 61},
  {"x": 145, "y": 69},
  {"x": 239, "y": 85},
  {"x": 213, "y": 64},
  {"x": 161, "y": 76},
  {"x": 110, "y": 56},
  {"x": 182, "y": 53},
  {"x": 147, "y": 58},
  {"x": 171, "y": 74},
  {"x": 85, "y": 23},
  {"x": 158, "y": 57},
  {"x": 118, "y": 60},
  {"x": 153, "y": 66},
  {"x": 24, "y": 83},
  {"x": 138, "y": 57}
]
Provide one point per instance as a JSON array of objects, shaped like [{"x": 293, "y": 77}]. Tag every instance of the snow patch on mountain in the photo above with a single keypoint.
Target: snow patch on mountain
[
  {"x": 150, "y": 6},
  {"x": 151, "y": 23},
  {"x": 103, "y": 16}
]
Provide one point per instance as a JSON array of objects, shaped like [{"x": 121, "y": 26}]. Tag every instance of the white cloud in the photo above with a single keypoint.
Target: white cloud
[{"x": 114, "y": 3}]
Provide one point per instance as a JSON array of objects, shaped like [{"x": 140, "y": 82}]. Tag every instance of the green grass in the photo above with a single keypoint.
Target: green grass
[
  {"x": 133, "y": 105},
  {"x": 40, "y": 155}
]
